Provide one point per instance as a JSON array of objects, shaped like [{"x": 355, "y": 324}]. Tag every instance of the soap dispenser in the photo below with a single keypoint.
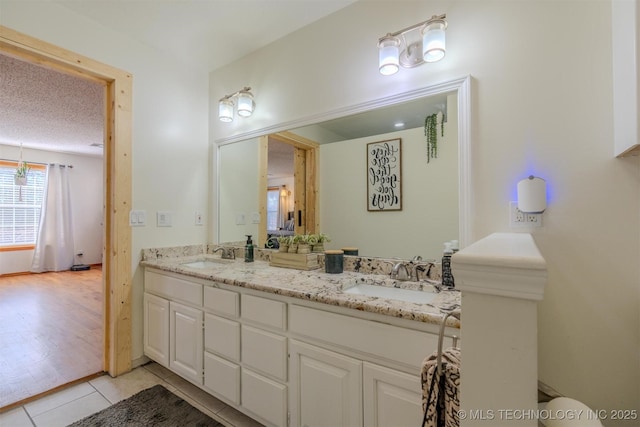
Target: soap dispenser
[
  {"x": 248, "y": 249},
  {"x": 447, "y": 276}
]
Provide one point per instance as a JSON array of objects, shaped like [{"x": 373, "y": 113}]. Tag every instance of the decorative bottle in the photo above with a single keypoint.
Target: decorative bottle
[
  {"x": 248, "y": 250},
  {"x": 447, "y": 276}
]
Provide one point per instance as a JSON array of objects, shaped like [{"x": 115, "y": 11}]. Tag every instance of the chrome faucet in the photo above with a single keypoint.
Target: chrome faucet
[
  {"x": 400, "y": 272},
  {"x": 426, "y": 267},
  {"x": 227, "y": 253}
]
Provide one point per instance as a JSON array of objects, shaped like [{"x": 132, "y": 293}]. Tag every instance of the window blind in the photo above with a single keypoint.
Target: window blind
[
  {"x": 20, "y": 206},
  {"x": 273, "y": 208}
]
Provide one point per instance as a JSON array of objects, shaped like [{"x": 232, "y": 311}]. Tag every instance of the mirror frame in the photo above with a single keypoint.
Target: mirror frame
[{"x": 460, "y": 85}]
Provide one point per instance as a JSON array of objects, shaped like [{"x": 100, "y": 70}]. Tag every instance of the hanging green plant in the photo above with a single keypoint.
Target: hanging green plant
[
  {"x": 22, "y": 170},
  {"x": 431, "y": 133}
]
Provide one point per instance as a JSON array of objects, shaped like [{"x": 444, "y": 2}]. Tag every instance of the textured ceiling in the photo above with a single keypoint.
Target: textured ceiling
[{"x": 49, "y": 110}]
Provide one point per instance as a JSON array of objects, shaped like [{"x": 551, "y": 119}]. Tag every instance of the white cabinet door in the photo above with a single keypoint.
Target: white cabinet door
[
  {"x": 156, "y": 329},
  {"x": 391, "y": 398},
  {"x": 326, "y": 387},
  {"x": 185, "y": 341}
]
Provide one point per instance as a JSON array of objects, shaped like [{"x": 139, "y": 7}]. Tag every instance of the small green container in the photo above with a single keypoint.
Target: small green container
[{"x": 333, "y": 261}]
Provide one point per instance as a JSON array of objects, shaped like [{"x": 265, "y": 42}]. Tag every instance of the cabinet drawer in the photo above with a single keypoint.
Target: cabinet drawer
[
  {"x": 265, "y": 311},
  {"x": 264, "y": 397},
  {"x": 226, "y": 303},
  {"x": 222, "y": 336},
  {"x": 222, "y": 377},
  {"x": 264, "y": 351},
  {"x": 173, "y": 288},
  {"x": 393, "y": 343}
]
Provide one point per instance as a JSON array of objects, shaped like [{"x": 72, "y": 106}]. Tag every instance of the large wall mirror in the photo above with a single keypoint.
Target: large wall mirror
[{"x": 435, "y": 193}]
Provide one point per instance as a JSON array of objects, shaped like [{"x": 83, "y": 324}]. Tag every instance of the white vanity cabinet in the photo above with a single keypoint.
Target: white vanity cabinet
[
  {"x": 264, "y": 358},
  {"x": 285, "y": 361},
  {"x": 173, "y": 324},
  {"x": 379, "y": 364}
]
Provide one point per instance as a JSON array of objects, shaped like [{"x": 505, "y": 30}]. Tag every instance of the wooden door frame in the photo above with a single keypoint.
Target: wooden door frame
[
  {"x": 117, "y": 182},
  {"x": 312, "y": 158}
]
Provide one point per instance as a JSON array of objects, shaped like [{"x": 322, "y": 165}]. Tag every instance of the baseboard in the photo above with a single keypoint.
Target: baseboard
[
  {"x": 135, "y": 363},
  {"x": 546, "y": 392}
]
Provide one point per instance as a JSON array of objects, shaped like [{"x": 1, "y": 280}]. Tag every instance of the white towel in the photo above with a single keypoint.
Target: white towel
[{"x": 442, "y": 409}]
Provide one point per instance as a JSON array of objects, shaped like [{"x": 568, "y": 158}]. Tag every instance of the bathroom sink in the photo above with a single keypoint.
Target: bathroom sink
[
  {"x": 400, "y": 294},
  {"x": 209, "y": 263}
]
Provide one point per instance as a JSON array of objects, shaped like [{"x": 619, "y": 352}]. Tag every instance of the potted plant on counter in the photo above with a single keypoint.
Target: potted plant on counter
[
  {"x": 293, "y": 243},
  {"x": 319, "y": 239},
  {"x": 303, "y": 244},
  {"x": 283, "y": 242}
]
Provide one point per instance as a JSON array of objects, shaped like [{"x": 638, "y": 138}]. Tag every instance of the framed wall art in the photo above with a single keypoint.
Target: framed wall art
[{"x": 384, "y": 175}]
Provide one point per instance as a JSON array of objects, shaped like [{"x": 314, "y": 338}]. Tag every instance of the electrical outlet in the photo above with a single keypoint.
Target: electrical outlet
[
  {"x": 199, "y": 220},
  {"x": 533, "y": 220},
  {"x": 516, "y": 216},
  {"x": 163, "y": 219}
]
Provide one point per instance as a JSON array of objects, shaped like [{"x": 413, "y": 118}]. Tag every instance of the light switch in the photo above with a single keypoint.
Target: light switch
[
  {"x": 199, "y": 219},
  {"x": 240, "y": 219},
  {"x": 164, "y": 218},
  {"x": 137, "y": 218},
  {"x": 255, "y": 217}
]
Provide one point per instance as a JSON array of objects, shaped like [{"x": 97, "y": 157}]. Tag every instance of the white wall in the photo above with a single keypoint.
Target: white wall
[
  {"x": 87, "y": 201},
  {"x": 541, "y": 104},
  {"x": 170, "y": 118}
]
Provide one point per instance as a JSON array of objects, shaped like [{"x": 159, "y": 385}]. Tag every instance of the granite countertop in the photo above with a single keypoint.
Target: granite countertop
[{"x": 317, "y": 286}]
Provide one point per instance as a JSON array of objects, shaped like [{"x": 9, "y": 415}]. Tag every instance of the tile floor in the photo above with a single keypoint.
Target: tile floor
[{"x": 79, "y": 401}]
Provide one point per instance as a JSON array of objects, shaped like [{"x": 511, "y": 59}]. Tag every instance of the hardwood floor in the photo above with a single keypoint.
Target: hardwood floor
[{"x": 51, "y": 331}]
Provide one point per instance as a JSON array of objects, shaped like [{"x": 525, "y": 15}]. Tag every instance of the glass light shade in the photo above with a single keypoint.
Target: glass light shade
[
  {"x": 389, "y": 61},
  {"x": 225, "y": 110},
  {"x": 433, "y": 41},
  {"x": 245, "y": 104}
]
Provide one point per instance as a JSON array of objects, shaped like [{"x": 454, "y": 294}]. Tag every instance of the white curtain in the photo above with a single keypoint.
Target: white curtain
[{"x": 54, "y": 245}]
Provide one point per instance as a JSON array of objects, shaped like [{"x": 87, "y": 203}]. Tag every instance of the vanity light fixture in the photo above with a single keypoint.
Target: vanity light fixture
[
  {"x": 245, "y": 105},
  {"x": 421, "y": 43}
]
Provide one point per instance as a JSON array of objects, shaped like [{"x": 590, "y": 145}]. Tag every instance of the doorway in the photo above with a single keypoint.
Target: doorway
[
  {"x": 116, "y": 281},
  {"x": 305, "y": 186},
  {"x": 44, "y": 315}
]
